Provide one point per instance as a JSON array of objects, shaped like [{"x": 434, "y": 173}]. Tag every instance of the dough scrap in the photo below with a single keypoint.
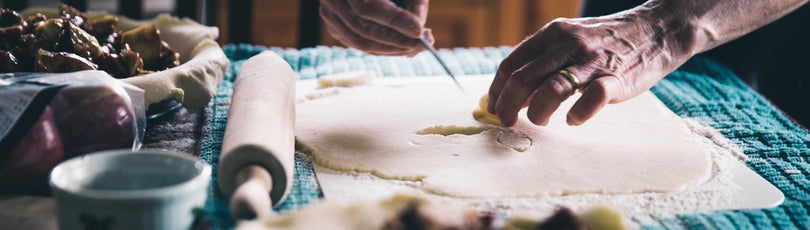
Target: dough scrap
[
  {"x": 347, "y": 79},
  {"x": 482, "y": 115},
  {"x": 631, "y": 147}
]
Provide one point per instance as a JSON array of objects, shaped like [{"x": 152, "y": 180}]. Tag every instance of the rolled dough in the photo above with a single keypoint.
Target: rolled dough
[{"x": 424, "y": 131}]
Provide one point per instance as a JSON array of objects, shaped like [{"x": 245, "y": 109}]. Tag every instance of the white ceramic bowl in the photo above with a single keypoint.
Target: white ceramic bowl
[{"x": 122, "y": 189}]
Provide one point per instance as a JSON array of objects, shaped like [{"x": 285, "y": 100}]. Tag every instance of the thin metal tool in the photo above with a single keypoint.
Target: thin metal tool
[{"x": 432, "y": 50}]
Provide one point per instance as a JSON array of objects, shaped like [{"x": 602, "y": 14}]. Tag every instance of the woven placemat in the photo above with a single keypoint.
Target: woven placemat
[{"x": 700, "y": 89}]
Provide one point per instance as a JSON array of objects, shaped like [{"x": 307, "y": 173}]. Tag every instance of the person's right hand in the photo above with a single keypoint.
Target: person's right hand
[
  {"x": 377, "y": 27},
  {"x": 615, "y": 57},
  {"x": 611, "y": 59}
]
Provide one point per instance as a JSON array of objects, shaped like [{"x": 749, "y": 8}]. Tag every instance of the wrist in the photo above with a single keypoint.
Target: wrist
[{"x": 673, "y": 28}]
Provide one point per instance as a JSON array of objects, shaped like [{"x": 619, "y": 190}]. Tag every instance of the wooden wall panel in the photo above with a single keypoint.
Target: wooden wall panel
[
  {"x": 548, "y": 10},
  {"x": 455, "y": 23},
  {"x": 275, "y": 23}
]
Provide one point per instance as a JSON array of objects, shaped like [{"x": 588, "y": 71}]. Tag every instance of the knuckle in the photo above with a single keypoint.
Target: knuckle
[
  {"x": 582, "y": 45},
  {"x": 556, "y": 87},
  {"x": 583, "y": 53},
  {"x": 524, "y": 78},
  {"x": 581, "y": 42},
  {"x": 611, "y": 61},
  {"x": 563, "y": 25},
  {"x": 571, "y": 33},
  {"x": 599, "y": 89},
  {"x": 558, "y": 24}
]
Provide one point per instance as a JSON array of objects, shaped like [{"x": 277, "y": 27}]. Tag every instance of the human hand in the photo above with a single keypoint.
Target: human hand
[
  {"x": 377, "y": 27},
  {"x": 614, "y": 58}
]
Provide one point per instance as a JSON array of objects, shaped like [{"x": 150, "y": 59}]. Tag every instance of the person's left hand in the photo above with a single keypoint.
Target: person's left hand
[
  {"x": 613, "y": 58},
  {"x": 377, "y": 27}
]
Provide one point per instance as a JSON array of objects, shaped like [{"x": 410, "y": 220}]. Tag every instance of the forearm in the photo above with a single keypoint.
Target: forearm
[{"x": 700, "y": 25}]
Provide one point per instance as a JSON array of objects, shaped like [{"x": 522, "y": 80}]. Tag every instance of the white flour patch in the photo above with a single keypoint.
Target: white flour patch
[
  {"x": 350, "y": 184},
  {"x": 710, "y": 195}
]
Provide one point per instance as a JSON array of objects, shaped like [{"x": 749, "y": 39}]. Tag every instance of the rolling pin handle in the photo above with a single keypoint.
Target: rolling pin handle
[{"x": 251, "y": 198}]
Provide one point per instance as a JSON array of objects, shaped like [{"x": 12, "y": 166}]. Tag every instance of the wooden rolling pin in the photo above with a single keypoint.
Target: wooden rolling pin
[{"x": 259, "y": 144}]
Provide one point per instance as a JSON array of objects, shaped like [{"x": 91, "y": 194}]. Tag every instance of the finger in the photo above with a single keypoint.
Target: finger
[
  {"x": 525, "y": 52},
  {"x": 373, "y": 31},
  {"x": 554, "y": 90},
  {"x": 596, "y": 95},
  {"x": 420, "y": 9},
  {"x": 386, "y": 13},
  {"x": 498, "y": 83},
  {"x": 509, "y": 94},
  {"x": 345, "y": 35}
]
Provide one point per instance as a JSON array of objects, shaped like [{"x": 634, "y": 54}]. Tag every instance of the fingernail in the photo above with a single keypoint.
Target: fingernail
[
  {"x": 572, "y": 121},
  {"x": 507, "y": 122},
  {"x": 539, "y": 123}
]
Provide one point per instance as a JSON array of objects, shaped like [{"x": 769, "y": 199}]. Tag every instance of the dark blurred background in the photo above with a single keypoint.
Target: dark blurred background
[
  {"x": 146, "y": 8},
  {"x": 296, "y": 23}
]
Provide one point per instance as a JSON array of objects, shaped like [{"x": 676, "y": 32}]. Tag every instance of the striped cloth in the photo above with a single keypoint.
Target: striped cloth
[{"x": 700, "y": 89}]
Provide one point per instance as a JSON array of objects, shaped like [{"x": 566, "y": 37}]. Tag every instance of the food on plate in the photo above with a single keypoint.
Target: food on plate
[
  {"x": 155, "y": 53},
  {"x": 72, "y": 42},
  {"x": 60, "y": 62},
  {"x": 199, "y": 62}
]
